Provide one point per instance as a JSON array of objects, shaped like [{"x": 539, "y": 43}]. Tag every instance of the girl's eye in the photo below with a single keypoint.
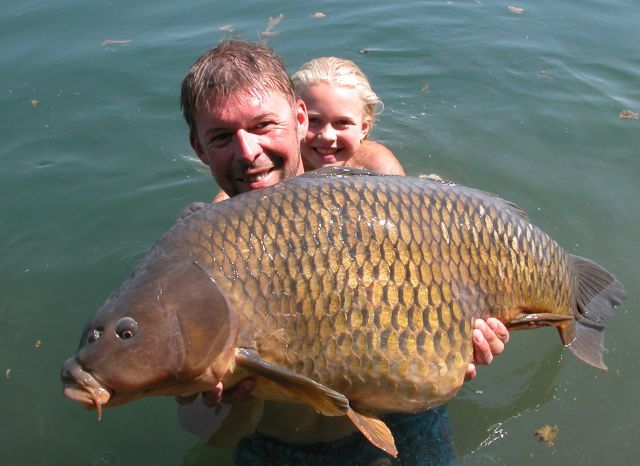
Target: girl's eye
[
  {"x": 126, "y": 328},
  {"x": 314, "y": 121}
]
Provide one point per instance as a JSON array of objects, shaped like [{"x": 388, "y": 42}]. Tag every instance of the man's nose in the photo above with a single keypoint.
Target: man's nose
[{"x": 248, "y": 145}]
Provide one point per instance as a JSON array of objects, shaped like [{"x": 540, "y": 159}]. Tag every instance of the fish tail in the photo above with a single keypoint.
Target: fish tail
[{"x": 598, "y": 295}]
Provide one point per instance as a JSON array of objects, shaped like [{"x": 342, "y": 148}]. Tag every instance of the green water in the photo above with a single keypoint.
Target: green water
[{"x": 525, "y": 105}]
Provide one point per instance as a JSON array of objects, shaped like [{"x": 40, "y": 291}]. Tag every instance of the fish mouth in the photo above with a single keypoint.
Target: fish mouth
[{"x": 80, "y": 385}]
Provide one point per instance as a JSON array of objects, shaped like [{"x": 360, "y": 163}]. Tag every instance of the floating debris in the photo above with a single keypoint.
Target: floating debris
[
  {"x": 318, "y": 14},
  {"x": 547, "y": 434},
  {"x": 226, "y": 28},
  {"x": 425, "y": 87},
  {"x": 275, "y": 21},
  {"x": 268, "y": 33},
  {"x": 34, "y": 103},
  {"x": 106, "y": 458},
  {"x": 432, "y": 177},
  {"x": 116, "y": 42},
  {"x": 515, "y": 10},
  {"x": 7, "y": 373},
  {"x": 37, "y": 344},
  {"x": 628, "y": 115},
  {"x": 365, "y": 51},
  {"x": 544, "y": 75},
  {"x": 438, "y": 179}
]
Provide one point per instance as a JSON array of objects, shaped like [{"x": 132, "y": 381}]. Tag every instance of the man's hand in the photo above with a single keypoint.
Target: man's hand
[
  {"x": 191, "y": 208},
  {"x": 206, "y": 417},
  {"x": 489, "y": 338},
  {"x": 218, "y": 395}
]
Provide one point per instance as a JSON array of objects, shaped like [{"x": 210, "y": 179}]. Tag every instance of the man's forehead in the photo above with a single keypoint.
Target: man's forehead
[{"x": 247, "y": 100}]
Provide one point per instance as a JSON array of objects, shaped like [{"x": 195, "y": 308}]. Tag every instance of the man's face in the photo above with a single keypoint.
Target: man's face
[{"x": 249, "y": 141}]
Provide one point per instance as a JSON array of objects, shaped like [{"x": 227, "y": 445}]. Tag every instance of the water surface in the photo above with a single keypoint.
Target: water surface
[{"x": 96, "y": 165}]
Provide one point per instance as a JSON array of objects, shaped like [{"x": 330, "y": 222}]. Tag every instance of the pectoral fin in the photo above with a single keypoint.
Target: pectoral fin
[
  {"x": 323, "y": 399},
  {"x": 375, "y": 430},
  {"x": 536, "y": 320}
]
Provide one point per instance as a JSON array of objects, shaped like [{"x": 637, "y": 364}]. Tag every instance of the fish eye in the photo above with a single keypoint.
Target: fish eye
[{"x": 126, "y": 328}]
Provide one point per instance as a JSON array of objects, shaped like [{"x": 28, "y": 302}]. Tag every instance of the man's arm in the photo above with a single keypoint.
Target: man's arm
[
  {"x": 221, "y": 196},
  {"x": 191, "y": 208}
]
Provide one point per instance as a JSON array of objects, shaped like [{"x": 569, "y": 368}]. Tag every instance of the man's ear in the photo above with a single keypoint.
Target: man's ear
[
  {"x": 302, "y": 118},
  {"x": 197, "y": 148}
]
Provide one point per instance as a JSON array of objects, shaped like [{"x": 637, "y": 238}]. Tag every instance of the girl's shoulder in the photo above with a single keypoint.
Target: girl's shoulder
[{"x": 376, "y": 157}]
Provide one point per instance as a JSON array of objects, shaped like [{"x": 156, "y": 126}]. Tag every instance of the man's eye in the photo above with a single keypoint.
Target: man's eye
[
  {"x": 263, "y": 125},
  {"x": 219, "y": 139}
]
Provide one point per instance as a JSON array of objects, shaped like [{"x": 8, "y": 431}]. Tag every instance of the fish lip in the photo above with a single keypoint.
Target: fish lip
[
  {"x": 88, "y": 396},
  {"x": 80, "y": 385}
]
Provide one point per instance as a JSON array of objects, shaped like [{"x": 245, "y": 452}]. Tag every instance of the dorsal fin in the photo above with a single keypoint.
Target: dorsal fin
[
  {"x": 340, "y": 171},
  {"x": 512, "y": 206},
  {"x": 517, "y": 209}
]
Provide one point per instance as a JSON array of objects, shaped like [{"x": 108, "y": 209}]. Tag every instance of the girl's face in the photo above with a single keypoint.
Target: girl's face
[{"x": 337, "y": 125}]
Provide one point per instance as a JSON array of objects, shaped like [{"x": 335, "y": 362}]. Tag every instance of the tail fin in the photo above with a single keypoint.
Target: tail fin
[{"x": 599, "y": 293}]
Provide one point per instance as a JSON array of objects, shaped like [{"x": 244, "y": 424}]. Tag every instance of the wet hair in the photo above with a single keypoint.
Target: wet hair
[
  {"x": 340, "y": 71},
  {"x": 233, "y": 66}
]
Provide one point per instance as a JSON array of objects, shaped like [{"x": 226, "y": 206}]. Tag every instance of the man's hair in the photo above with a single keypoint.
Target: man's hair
[{"x": 230, "y": 67}]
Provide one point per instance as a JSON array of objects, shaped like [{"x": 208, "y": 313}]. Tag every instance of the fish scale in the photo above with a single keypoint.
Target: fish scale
[
  {"x": 347, "y": 291},
  {"x": 361, "y": 232}
]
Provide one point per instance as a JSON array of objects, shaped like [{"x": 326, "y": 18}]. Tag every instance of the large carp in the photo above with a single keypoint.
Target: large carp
[{"x": 350, "y": 292}]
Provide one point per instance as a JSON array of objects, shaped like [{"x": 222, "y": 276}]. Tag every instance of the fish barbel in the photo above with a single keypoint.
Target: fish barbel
[{"x": 352, "y": 293}]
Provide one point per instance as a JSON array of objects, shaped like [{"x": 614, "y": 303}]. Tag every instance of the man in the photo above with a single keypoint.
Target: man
[{"x": 246, "y": 124}]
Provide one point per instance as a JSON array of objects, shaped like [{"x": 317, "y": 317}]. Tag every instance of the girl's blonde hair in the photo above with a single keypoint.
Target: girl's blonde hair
[{"x": 340, "y": 71}]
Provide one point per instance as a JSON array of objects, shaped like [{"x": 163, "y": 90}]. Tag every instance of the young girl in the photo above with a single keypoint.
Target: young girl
[{"x": 342, "y": 108}]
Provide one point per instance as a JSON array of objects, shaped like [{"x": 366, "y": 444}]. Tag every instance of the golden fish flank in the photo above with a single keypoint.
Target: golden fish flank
[
  {"x": 464, "y": 248},
  {"x": 349, "y": 292}
]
